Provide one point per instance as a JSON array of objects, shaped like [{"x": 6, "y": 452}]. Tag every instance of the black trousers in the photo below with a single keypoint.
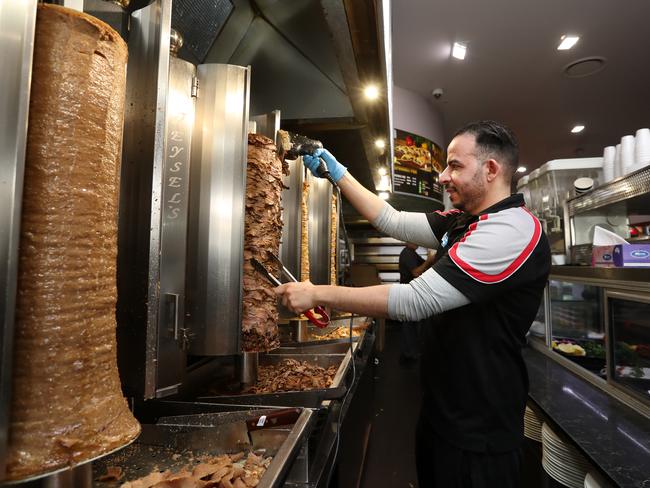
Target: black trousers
[{"x": 442, "y": 465}]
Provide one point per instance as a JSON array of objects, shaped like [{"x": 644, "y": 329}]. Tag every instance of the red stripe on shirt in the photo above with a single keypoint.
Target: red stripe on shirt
[{"x": 512, "y": 267}]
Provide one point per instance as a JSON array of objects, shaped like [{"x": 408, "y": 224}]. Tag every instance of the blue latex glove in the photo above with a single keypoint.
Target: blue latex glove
[{"x": 336, "y": 169}]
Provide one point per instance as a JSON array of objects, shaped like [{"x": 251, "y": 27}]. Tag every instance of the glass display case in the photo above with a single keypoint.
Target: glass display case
[
  {"x": 596, "y": 322},
  {"x": 629, "y": 319},
  {"x": 577, "y": 326}
]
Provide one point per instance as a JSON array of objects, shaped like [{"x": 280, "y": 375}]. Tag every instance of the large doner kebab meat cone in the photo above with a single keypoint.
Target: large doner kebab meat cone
[{"x": 67, "y": 402}]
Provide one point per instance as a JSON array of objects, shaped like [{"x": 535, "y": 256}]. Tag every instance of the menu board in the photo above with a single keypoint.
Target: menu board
[{"x": 417, "y": 165}]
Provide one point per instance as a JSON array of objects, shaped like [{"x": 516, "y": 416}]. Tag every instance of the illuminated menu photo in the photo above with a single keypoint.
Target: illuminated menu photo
[{"x": 417, "y": 164}]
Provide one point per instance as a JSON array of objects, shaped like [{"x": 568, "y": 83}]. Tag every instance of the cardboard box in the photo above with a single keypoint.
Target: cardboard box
[
  {"x": 632, "y": 255},
  {"x": 602, "y": 256}
]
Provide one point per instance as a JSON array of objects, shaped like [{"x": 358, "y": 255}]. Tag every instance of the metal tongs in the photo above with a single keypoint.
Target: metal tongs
[{"x": 321, "y": 322}]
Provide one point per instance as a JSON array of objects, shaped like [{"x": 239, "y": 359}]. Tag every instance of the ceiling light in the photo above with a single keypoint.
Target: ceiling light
[
  {"x": 380, "y": 143},
  {"x": 578, "y": 128},
  {"x": 383, "y": 195},
  {"x": 567, "y": 42},
  {"x": 521, "y": 169},
  {"x": 459, "y": 51},
  {"x": 371, "y": 92},
  {"x": 382, "y": 171}
]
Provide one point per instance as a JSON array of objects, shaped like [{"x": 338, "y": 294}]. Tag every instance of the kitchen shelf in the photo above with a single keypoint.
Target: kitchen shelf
[{"x": 635, "y": 186}]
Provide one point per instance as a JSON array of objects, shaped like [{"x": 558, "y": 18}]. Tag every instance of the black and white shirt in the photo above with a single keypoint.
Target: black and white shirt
[
  {"x": 475, "y": 381},
  {"x": 485, "y": 288}
]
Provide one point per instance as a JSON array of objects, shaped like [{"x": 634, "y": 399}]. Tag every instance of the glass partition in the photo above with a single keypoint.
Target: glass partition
[
  {"x": 577, "y": 328},
  {"x": 629, "y": 316}
]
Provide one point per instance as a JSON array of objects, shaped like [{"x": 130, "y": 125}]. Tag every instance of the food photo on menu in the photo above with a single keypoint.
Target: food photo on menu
[{"x": 417, "y": 163}]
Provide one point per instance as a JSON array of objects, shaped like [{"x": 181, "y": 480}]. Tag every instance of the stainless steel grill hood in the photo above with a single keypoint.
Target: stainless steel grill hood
[{"x": 310, "y": 59}]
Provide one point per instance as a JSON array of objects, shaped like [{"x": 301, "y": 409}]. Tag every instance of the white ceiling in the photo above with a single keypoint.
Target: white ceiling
[{"x": 513, "y": 72}]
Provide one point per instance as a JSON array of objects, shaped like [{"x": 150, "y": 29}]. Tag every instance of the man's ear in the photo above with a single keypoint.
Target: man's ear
[{"x": 494, "y": 169}]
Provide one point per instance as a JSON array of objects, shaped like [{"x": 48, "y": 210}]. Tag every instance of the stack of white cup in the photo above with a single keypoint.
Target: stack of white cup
[
  {"x": 609, "y": 159},
  {"x": 641, "y": 149},
  {"x": 632, "y": 154},
  {"x": 618, "y": 166},
  {"x": 627, "y": 153}
]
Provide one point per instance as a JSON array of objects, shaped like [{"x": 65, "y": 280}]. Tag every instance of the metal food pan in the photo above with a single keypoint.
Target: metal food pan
[
  {"x": 308, "y": 398},
  {"x": 173, "y": 447},
  {"x": 303, "y": 331}
]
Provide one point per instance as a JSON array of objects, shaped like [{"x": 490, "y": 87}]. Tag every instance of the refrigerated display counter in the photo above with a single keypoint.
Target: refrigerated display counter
[{"x": 589, "y": 367}]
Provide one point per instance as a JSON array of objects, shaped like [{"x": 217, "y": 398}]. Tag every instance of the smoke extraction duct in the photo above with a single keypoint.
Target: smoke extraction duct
[{"x": 200, "y": 21}]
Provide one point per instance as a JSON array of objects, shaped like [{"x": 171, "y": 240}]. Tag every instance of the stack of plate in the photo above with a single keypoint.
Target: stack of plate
[
  {"x": 594, "y": 480},
  {"x": 562, "y": 461},
  {"x": 532, "y": 425}
]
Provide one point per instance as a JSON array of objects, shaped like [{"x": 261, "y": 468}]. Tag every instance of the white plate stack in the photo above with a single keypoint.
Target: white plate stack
[
  {"x": 562, "y": 461},
  {"x": 594, "y": 480},
  {"x": 532, "y": 425}
]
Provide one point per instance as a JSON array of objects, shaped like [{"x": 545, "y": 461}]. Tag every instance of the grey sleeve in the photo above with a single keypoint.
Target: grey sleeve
[
  {"x": 429, "y": 294},
  {"x": 406, "y": 226}
]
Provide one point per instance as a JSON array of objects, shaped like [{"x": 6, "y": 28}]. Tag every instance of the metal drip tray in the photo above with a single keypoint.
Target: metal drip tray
[{"x": 191, "y": 437}]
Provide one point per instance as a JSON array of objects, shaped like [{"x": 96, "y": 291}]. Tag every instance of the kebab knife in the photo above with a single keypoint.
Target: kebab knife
[{"x": 291, "y": 146}]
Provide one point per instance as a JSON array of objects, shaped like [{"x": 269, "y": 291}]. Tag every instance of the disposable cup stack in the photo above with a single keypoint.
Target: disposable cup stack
[
  {"x": 618, "y": 166},
  {"x": 641, "y": 149},
  {"x": 609, "y": 158},
  {"x": 627, "y": 153}
]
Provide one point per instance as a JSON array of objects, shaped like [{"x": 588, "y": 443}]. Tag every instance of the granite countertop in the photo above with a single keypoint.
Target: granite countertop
[{"x": 614, "y": 437}]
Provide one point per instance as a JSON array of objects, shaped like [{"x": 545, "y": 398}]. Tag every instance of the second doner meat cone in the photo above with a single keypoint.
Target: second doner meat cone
[{"x": 262, "y": 234}]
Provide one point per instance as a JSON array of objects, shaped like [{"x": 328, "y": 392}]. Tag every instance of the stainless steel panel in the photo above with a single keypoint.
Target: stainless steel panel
[
  {"x": 291, "y": 218},
  {"x": 17, "y": 21},
  {"x": 320, "y": 209},
  {"x": 141, "y": 188},
  {"x": 172, "y": 334},
  {"x": 216, "y": 233},
  {"x": 267, "y": 124}
]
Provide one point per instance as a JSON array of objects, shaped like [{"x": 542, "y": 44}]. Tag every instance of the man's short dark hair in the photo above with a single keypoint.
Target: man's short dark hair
[{"x": 496, "y": 141}]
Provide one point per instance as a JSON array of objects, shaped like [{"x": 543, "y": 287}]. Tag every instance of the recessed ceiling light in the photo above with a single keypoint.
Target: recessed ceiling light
[
  {"x": 578, "y": 128},
  {"x": 382, "y": 171},
  {"x": 380, "y": 144},
  {"x": 383, "y": 195},
  {"x": 459, "y": 50},
  {"x": 521, "y": 169},
  {"x": 371, "y": 92},
  {"x": 567, "y": 42}
]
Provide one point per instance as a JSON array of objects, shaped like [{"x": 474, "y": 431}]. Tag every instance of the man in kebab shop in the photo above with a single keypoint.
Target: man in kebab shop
[{"x": 483, "y": 292}]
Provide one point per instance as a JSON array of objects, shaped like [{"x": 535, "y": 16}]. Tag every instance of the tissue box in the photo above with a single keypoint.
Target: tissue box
[
  {"x": 632, "y": 255},
  {"x": 602, "y": 256}
]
